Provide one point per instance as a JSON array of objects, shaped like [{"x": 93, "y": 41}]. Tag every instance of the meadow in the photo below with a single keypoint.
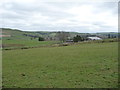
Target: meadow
[
  {"x": 18, "y": 44},
  {"x": 85, "y": 65}
]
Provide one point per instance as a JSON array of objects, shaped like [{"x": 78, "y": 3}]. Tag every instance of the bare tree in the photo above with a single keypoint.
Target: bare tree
[{"x": 62, "y": 36}]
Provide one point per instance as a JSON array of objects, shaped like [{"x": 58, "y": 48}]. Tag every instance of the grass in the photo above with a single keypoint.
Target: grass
[
  {"x": 93, "y": 65},
  {"x": 25, "y": 43}
]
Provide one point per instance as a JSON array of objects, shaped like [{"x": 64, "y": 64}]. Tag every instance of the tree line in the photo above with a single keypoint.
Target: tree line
[{"x": 64, "y": 36}]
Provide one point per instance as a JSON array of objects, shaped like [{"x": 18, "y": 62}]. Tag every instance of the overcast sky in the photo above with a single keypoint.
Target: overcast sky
[{"x": 36, "y": 15}]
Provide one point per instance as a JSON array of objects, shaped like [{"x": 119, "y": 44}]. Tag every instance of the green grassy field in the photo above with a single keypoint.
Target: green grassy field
[
  {"x": 26, "y": 43},
  {"x": 93, "y": 65}
]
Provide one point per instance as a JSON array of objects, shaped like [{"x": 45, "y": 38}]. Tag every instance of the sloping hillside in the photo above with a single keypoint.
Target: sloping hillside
[{"x": 22, "y": 39}]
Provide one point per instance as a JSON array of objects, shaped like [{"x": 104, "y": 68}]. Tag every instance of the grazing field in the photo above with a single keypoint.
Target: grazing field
[
  {"x": 12, "y": 44},
  {"x": 93, "y": 65}
]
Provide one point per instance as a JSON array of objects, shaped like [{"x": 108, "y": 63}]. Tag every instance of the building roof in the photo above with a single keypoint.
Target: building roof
[{"x": 94, "y": 38}]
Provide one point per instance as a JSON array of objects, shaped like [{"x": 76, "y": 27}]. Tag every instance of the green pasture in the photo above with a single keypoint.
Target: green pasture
[
  {"x": 16, "y": 43},
  {"x": 91, "y": 65}
]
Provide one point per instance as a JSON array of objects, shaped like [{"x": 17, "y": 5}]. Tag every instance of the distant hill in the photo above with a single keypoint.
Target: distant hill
[{"x": 18, "y": 34}]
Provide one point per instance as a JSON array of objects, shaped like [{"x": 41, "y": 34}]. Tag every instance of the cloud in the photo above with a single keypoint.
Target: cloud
[{"x": 53, "y": 16}]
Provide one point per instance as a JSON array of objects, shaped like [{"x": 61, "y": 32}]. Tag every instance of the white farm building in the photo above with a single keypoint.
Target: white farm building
[{"x": 94, "y": 38}]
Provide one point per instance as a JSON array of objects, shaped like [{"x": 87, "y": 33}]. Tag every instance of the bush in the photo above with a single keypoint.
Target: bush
[
  {"x": 77, "y": 38},
  {"x": 40, "y": 39}
]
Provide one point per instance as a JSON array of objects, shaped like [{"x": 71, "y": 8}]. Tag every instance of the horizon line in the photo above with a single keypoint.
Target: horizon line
[{"x": 57, "y": 31}]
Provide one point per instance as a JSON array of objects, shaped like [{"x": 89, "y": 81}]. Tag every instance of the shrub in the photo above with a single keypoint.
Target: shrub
[
  {"x": 77, "y": 38},
  {"x": 40, "y": 39}
]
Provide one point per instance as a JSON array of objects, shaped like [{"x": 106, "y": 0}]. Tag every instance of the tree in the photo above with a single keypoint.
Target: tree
[
  {"x": 77, "y": 38},
  {"x": 115, "y": 36},
  {"x": 62, "y": 36},
  {"x": 40, "y": 39},
  {"x": 108, "y": 35}
]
